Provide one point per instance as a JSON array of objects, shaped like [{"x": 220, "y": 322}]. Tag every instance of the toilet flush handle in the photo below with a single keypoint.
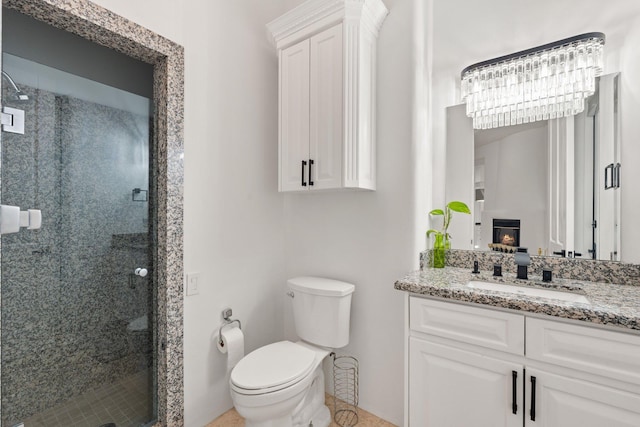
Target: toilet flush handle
[{"x": 290, "y": 294}]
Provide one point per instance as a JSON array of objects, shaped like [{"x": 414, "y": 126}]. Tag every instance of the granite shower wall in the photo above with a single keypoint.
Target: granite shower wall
[{"x": 67, "y": 295}]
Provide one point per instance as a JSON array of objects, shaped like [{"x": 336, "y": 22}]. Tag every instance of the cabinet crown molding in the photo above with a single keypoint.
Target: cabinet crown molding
[{"x": 316, "y": 15}]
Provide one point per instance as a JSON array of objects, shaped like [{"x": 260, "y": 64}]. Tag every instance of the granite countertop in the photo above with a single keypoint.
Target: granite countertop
[{"x": 610, "y": 304}]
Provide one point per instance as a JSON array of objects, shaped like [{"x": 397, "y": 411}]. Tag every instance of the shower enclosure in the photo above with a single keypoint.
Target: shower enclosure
[{"x": 78, "y": 301}]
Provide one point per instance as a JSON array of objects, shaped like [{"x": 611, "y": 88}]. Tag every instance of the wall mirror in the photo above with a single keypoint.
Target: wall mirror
[
  {"x": 511, "y": 27},
  {"x": 552, "y": 186}
]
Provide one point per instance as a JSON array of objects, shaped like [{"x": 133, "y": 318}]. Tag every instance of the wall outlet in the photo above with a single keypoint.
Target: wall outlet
[{"x": 193, "y": 284}]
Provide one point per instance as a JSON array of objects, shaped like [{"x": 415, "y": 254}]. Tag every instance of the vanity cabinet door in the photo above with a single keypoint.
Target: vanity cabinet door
[
  {"x": 449, "y": 387},
  {"x": 558, "y": 401},
  {"x": 294, "y": 117}
]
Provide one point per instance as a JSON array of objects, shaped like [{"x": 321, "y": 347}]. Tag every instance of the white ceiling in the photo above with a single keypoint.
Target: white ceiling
[{"x": 468, "y": 31}]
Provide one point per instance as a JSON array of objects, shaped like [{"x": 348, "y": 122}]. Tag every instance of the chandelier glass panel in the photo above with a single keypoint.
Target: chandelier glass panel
[{"x": 546, "y": 82}]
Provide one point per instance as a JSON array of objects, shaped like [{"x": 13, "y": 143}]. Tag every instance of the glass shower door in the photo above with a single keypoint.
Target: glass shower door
[{"x": 77, "y": 295}]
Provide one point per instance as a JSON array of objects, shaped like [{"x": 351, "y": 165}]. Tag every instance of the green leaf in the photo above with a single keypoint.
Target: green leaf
[
  {"x": 436, "y": 212},
  {"x": 432, "y": 231},
  {"x": 459, "y": 207}
]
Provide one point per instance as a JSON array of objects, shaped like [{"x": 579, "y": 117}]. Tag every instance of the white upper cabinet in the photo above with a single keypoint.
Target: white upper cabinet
[
  {"x": 294, "y": 104},
  {"x": 327, "y": 61},
  {"x": 326, "y": 112}
]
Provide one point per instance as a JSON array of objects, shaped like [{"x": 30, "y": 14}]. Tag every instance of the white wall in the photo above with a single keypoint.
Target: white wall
[
  {"x": 234, "y": 228},
  {"x": 245, "y": 239},
  {"x": 369, "y": 238},
  {"x": 515, "y": 185},
  {"x": 461, "y": 38}
]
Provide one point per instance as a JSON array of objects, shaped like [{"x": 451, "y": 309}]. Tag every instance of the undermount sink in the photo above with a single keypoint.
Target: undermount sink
[{"x": 528, "y": 291}]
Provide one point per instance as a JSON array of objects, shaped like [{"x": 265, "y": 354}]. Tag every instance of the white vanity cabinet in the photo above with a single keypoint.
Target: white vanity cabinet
[
  {"x": 467, "y": 366},
  {"x": 327, "y": 62},
  {"x": 562, "y": 401},
  {"x": 453, "y": 387}
]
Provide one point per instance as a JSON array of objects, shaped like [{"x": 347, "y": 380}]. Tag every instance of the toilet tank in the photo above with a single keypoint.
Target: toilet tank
[{"x": 321, "y": 310}]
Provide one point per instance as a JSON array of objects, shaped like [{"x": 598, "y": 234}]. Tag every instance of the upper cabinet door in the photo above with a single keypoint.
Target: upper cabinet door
[
  {"x": 326, "y": 109},
  {"x": 294, "y": 117}
]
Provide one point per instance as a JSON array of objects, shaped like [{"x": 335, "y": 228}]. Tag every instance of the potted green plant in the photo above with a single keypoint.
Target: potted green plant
[{"x": 442, "y": 239}]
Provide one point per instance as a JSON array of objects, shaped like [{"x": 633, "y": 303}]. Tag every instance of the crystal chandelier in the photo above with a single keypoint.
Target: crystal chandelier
[{"x": 541, "y": 83}]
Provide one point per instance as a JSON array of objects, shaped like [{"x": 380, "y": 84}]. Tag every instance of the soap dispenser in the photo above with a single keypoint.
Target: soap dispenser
[{"x": 522, "y": 259}]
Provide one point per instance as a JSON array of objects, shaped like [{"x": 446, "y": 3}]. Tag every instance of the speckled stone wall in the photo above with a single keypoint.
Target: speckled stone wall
[
  {"x": 102, "y": 26},
  {"x": 565, "y": 268},
  {"x": 68, "y": 296},
  {"x": 31, "y": 263},
  {"x": 103, "y": 156}
]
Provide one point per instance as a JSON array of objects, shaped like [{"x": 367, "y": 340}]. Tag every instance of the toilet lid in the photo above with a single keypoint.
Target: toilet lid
[{"x": 273, "y": 365}]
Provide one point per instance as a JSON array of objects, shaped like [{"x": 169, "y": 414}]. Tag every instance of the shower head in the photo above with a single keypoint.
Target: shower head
[{"x": 17, "y": 93}]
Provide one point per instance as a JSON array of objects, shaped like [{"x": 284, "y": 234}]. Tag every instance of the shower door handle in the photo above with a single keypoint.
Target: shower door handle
[{"x": 142, "y": 272}]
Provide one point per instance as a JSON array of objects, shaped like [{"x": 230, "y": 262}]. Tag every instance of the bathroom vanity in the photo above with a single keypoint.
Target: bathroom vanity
[{"x": 487, "y": 356}]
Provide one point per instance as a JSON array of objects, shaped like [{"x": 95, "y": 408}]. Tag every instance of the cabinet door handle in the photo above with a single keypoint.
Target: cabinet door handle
[
  {"x": 514, "y": 395},
  {"x": 533, "y": 399},
  {"x": 310, "y": 164},
  {"x": 304, "y": 163}
]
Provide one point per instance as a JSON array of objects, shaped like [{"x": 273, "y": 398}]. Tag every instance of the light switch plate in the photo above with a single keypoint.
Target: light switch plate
[{"x": 193, "y": 284}]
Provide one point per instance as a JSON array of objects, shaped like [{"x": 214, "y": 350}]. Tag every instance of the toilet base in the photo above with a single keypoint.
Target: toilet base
[
  {"x": 322, "y": 418},
  {"x": 280, "y": 422},
  {"x": 312, "y": 409}
]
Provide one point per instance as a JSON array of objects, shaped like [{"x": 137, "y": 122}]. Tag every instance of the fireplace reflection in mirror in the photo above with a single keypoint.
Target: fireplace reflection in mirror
[{"x": 506, "y": 235}]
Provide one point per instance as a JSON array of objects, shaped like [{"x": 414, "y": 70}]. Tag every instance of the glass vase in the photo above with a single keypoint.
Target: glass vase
[{"x": 441, "y": 244}]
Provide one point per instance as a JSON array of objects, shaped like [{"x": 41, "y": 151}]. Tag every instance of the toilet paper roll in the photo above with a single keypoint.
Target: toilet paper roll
[{"x": 232, "y": 344}]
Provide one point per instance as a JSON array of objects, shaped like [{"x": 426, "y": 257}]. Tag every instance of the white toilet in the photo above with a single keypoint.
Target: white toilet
[{"x": 282, "y": 384}]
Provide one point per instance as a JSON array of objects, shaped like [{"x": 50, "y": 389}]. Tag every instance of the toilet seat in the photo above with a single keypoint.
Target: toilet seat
[{"x": 273, "y": 367}]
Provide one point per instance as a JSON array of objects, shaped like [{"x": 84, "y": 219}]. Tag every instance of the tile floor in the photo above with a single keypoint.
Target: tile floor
[
  {"x": 124, "y": 403},
  {"x": 365, "y": 419}
]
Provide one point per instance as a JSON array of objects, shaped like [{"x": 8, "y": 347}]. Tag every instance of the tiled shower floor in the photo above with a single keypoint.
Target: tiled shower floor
[{"x": 124, "y": 403}]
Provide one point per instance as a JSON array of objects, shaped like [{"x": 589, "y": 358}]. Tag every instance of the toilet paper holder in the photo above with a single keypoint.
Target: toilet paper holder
[{"x": 227, "y": 320}]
